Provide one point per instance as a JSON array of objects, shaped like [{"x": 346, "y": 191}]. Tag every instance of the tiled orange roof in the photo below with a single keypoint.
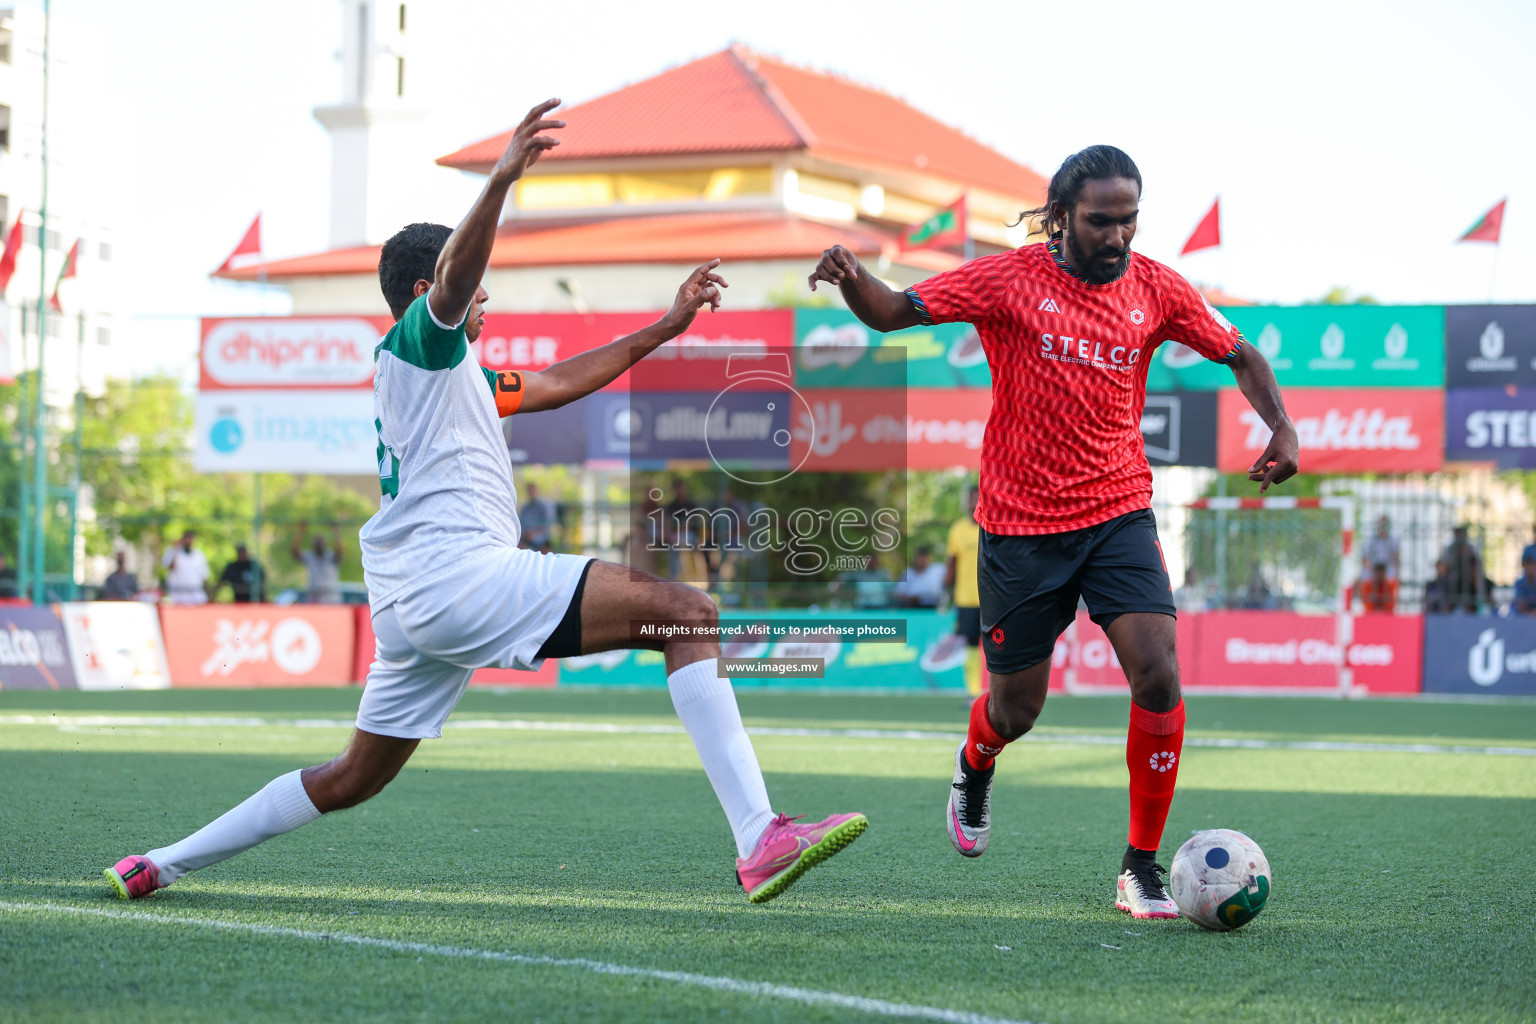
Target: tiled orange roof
[
  {"x": 676, "y": 238},
  {"x": 737, "y": 101}
]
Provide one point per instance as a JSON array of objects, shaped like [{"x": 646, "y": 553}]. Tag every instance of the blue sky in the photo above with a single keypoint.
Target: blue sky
[{"x": 1350, "y": 142}]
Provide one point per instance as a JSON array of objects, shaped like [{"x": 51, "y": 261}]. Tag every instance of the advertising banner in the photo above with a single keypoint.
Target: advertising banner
[
  {"x": 837, "y": 351},
  {"x": 290, "y": 352},
  {"x": 1377, "y": 430},
  {"x": 549, "y": 438},
  {"x": 33, "y": 651},
  {"x": 259, "y": 644},
  {"x": 1321, "y": 346},
  {"x": 1288, "y": 651},
  {"x": 1179, "y": 429},
  {"x": 1491, "y": 425},
  {"x": 1478, "y": 654},
  {"x": 1084, "y": 660},
  {"x": 534, "y": 341},
  {"x": 115, "y": 645},
  {"x": 932, "y": 658},
  {"x": 1490, "y": 346},
  {"x": 297, "y": 431},
  {"x": 547, "y": 675}
]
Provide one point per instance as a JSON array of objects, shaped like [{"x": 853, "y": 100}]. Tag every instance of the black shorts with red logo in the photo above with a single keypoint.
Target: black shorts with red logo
[{"x": 1030, "y": 585}]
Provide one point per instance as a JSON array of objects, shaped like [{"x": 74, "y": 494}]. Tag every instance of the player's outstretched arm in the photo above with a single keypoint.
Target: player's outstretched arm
[
  {"x": 1281, "y": 458},
  {"x": 871, "y": 299},
  {"x": 461, "y": 264},
  {"x": 583, "y": 374}
]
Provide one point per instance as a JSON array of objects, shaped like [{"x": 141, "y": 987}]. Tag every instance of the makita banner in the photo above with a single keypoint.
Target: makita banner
[
  {"x": 1491, "y": 425},
  {"x": 1490, "y": 346},
  {"x": 1376, "y": 430},
  {"x": 1479, "y": 654}
]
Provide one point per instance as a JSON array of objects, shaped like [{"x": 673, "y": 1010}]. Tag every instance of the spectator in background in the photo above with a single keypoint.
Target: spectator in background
[
  {"x": 1193, "y": 595},
  {"x": 538, "y": 517},
  {"x": 960, "y": 574},
  {"x": 322, "y": 563},
  {"x": 120, "y": 585},
  {"x": 8, "y": 587},
  {"x": 1382, "y": 549},
  {"x": 922, "y": 585},
  {"x": 1256, "y": 593},
  {"x": 1530, "y": 549},
  {"x": 186, "y": 571},
  {"x": 244, "y": 576},
  {"x": 1378, "y": 591},
  {"x": 1525, "y": 584},
  {"x": 1464, "y": 577},
  {"x": 1437, "y": 599}
]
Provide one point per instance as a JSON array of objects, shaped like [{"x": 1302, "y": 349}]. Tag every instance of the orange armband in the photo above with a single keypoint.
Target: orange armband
[{"x": 508, "y": 389}]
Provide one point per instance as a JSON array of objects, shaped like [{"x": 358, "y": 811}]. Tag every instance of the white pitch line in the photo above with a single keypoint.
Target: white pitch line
[
  {"x": 765, "y": 989},
  {"x": 637, "y": 729}
]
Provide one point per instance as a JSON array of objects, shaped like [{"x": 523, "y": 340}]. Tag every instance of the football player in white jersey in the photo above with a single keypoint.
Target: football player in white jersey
[{"x": 451, "y": 591}]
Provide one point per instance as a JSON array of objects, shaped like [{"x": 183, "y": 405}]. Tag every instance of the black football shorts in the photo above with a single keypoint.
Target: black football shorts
[{"x": 1030, "y": 585}]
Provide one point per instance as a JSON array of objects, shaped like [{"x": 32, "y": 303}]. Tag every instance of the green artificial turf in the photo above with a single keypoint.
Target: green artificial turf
[{"x": 1401, "y": 880}]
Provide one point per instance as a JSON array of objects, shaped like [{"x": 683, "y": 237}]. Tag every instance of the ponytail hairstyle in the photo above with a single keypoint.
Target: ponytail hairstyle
[{"x": 1092, "y": 164}]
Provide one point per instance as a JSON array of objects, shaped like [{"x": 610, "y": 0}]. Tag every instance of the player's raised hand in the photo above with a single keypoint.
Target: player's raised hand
[
  {"x": 837, "y": 265},
  {"x": 527, "y": 144},
  {"x": 701, "y": 289},
  {"x": 1280, "y": 461}
]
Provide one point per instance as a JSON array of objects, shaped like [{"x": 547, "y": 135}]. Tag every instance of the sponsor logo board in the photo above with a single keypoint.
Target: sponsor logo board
[
  {"x": 1479, "y": 654},
  {"x": 34, "y": 654},
  {"x": 835, "y": 350},
  {"x": 1383, "y": 430},
  {"x": 1490, "y": 346},
  {"x": 115, "y": 645},
  {"x": 259, "y": 645},
  {"x": 1491, "y": 425},
  {"x": 1321, "y": 346},
  {"x": 290, "y": 352},
  {"x": 293, "y": 431},
  {"x": 1179, "y": 429}
]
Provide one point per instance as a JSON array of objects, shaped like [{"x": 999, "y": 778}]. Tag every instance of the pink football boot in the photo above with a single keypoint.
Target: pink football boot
[{"x": 786, "y": 850}]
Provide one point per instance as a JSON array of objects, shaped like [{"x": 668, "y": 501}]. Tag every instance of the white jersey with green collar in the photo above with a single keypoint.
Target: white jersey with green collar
[{"x": 448, "y": 496}]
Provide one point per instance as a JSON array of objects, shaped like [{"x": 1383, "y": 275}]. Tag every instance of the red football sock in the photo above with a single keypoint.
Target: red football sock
[
  {"x": 1152, "y": 751},
  {"x": 982, "y": 743}
]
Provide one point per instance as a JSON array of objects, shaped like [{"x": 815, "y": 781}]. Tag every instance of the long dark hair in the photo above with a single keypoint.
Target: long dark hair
[{"x": 1092, "y": 164}]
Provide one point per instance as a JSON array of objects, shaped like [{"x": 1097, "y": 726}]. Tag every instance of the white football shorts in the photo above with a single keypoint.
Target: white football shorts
[{"x": 494, "y": 613}]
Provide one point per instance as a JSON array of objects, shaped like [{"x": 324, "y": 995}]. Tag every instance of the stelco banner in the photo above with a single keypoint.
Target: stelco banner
[
  {"x": 1378, "y": 430},
  {"x": 1491, "y": 425},
  {"x": 1477, "y": 654},
  {"x": 1490, "y": 346},
  {"x": 1321, "y": 346}
]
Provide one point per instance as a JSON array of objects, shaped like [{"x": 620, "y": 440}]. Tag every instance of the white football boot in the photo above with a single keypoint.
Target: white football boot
[
  {"x": 969, "y": 814},
  {"x": 1139, "y": 892}
]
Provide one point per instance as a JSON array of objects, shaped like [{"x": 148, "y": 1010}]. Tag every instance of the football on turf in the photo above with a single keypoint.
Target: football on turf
[{"x": 1220, "y": 879}]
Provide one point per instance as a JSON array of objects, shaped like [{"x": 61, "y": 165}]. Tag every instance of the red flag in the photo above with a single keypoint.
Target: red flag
[
  {"x": 249, "y": 243},
  {"x": 947, "y": 227},
  {"x": 1487, "y": 227},
  {"x": 70, "y": 268},
  {"x": 8, "y": 261},
  {"x": 1207, "y": 233}
]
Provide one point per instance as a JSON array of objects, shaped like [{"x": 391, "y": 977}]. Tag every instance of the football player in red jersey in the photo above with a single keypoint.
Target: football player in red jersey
[{"x": 1069, "y": 326}]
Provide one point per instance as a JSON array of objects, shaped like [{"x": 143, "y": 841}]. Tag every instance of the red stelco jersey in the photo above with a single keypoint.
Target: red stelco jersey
[{"x": 1063, "y": 448}]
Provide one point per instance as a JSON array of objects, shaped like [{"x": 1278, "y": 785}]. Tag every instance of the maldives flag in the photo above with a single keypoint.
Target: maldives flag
[
  {"x": 1207, "y": 233},
  {"x": 70, "y": 268},
  {"x": 947, "y": 227},
  {"x": 8, "y": 261},
  {"x": 1488, "y": 226},
  {"x": 250, "y": 243}
]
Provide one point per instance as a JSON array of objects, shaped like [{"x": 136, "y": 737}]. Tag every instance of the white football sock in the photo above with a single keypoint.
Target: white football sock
[
  {"x": 707, "y": 707},
  {"x": 281, "y": 806}
]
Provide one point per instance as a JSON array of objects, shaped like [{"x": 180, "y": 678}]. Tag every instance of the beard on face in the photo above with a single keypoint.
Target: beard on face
[{"x": 1091, "y": 265}]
